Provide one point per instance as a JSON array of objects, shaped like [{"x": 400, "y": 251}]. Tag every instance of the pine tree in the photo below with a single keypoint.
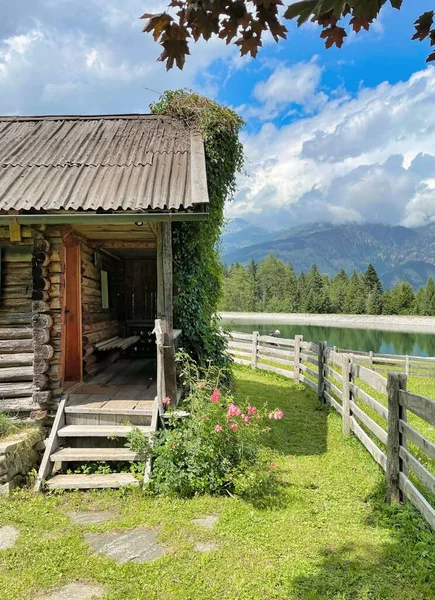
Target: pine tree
[
  {"x": 402, "y": 299},
  {"x": 420, "y": 299},
  {"x": 337, "y": 292},
  {"x": 373, "y": 290},
  {"x": 239, "y": 290},
  {"x": 429, "y": 300},
  {"x": 355, "y": 296}
]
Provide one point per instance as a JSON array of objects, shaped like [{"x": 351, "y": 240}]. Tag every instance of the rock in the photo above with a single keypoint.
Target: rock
[
  {"x": 206, "y": 546},
  {"x": 8, "y": 537},
  {"x": 209, "y": 521},
  {"x": 77, "y": 591},
  {"x": 91, "y": 518},
  {"x": 138, "y": 545}
]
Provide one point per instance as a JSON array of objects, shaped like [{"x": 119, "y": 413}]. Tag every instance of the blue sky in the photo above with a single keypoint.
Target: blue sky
[{"x": 338, "y": 135}]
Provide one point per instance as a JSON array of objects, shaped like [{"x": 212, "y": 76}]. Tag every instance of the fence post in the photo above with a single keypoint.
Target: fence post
[
  {"x": 396, "y": 382},
  {"x": 403, "y": 416},
  {"x": 347, "y": 374},
  {"x": 371, "y": 359},
  {"x": 297, "y": 369},
  {"x": 407, "y": 369},
  {"x": 254, "y": 357},
  {"x": 320, "y": 379}
]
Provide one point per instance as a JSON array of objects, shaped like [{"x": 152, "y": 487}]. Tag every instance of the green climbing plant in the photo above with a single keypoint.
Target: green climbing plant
[{"x": 197, "y": 269}]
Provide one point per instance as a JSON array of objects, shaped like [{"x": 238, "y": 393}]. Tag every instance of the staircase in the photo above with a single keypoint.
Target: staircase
[{"x": 82, "y": 434}]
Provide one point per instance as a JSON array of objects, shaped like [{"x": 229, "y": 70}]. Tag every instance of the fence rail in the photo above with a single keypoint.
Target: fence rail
[
  {"x": 373, "y": 407},
  {"x": 422, "y": 366}
]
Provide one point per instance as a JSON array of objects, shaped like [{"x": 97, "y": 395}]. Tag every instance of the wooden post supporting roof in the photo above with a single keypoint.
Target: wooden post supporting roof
[{"x": 165, "y": 310}]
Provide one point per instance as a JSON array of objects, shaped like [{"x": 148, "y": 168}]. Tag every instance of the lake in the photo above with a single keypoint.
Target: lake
[{"x": 365, "y": 340}]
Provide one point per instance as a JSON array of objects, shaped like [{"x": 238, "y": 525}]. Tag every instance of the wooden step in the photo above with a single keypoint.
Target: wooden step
[
  {"x": 87, "y": 482},
  {"x": 127, "y": 412},
  {"x": 120, "y": 431},
  {"x": 94, "y": 454}
]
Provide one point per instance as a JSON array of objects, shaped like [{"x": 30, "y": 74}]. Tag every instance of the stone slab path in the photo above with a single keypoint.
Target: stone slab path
[
  {"x": 8, "y": 537},
  {"x": 208, "y": 521},
  {"x": 76, "y": 591},
  {"x": 206, "y": 546},
  {"x": 138, "y": 545},
  {"x": 91, "y": 518}
]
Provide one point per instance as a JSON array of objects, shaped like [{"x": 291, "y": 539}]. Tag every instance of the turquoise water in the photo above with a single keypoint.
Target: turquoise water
[{"x": 365, "y": 340}]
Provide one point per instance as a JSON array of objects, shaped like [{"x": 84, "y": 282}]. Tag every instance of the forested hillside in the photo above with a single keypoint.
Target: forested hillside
[
  {"x": 395, "y": 252},
  {"x": 273, "y": 286}
]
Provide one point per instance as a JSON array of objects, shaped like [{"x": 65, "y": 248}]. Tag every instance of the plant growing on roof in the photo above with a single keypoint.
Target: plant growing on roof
[{"x": 197, "y": 269}]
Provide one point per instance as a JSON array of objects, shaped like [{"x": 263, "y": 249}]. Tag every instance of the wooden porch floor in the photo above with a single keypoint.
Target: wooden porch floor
[{"x": 128, "y": 384}]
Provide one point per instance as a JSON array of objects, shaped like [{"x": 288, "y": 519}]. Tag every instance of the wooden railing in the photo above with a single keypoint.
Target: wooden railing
[
  {"x": 422, "y": 366},
  {"x": 393, "y": 424}
]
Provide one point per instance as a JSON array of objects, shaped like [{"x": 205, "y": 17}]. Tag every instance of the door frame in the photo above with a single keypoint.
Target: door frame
[{"x": 72, "y": 287}]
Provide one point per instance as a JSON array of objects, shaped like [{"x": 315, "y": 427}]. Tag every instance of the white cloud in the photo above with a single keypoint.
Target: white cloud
[
  {"x": 90, "y": 57},
  {"x": 371, "y": 157},
  {"x": 289, "y": 85}
]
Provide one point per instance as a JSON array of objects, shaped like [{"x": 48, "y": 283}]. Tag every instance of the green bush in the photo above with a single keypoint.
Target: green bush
[
  {"x": 7, "y": 426},
  {"x": 218, "y": 449}
]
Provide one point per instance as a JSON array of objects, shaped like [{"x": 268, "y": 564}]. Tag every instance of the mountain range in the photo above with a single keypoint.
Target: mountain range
[{"x": 396, "y": 252}]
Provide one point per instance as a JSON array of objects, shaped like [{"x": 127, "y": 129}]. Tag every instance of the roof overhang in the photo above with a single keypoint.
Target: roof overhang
[{"x": 104, "y": 218}]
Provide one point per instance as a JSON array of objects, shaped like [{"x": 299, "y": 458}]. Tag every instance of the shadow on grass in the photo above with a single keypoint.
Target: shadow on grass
[
  {"x": 402, "y": 568},
  {"x": 303, "y": 430}
]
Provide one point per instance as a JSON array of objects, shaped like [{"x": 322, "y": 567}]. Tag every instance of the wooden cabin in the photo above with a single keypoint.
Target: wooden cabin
[{"x": 87, "y": 335}]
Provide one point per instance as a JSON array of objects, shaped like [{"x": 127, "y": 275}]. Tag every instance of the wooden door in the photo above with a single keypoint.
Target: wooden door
[
  {"x": 73, "y": 364},
  {"x": 141, "y": 290}
]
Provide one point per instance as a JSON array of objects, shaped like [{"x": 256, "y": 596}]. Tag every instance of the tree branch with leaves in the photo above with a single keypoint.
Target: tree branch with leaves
[{"x": 246, "y": 22}]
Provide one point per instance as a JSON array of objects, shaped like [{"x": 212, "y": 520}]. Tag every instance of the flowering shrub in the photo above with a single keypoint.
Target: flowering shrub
[{"x": 218, "y": 448}]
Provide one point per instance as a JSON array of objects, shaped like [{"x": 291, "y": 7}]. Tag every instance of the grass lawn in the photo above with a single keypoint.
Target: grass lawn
[{"x": 327, "y": 535}]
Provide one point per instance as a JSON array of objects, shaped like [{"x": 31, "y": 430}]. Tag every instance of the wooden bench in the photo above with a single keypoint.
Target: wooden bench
[{"x": 117, "y": 343}]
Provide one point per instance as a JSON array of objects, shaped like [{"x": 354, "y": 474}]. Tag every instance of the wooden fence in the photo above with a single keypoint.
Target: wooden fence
[
  {"x": 421, "y": 366},
  {"x": 378, "y": 410}
]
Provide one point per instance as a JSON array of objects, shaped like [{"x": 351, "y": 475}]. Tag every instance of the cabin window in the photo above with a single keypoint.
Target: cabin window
[{"x": 104, "y": 290}]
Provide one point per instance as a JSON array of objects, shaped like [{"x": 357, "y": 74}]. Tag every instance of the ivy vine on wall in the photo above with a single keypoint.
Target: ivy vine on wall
[{"x": 197, "y": 267}]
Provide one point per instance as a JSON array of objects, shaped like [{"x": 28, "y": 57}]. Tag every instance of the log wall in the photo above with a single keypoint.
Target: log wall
[
  {"x": 16, "y": 346},
  {"x": 98, "y": 324}
]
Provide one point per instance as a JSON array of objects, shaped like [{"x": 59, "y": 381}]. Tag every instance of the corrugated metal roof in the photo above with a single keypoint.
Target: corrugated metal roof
[{"x": 137, "y": 162}]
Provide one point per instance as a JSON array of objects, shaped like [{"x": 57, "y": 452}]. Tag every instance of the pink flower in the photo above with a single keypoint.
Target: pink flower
[
  {"x": 233, "y": 426},
  {"x": 202, "y": 385},
  {"x": 218, "y": 428},
  {"x": 215, "y": 396},
  {"x": 206, "y": 418},
  {"x": 166, "y": 401},
  {"x": 245, "y": 419},
  {"x": 233, "y": 411},
  {"x": 252, "y": 410},
  {"x": 276, "y": 414},
  {"x": 272, "y": 464}
]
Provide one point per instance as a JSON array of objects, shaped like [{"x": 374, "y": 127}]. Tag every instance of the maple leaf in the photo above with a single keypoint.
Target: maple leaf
[
  {"x": 302, "y": 10},
  {"x": 158, "y": 23},
  {"x": 358, "y": 23},
  {"x": 203, "y": 24},
  {"x": 228, "y": 30},
  {"x": 326, "y": 19},
  {"x": 333, "y": 35},
  {"x": 423, "y": 25},
  {"x": 249, "y": 43},
  {"x": 174, "y": 50}
]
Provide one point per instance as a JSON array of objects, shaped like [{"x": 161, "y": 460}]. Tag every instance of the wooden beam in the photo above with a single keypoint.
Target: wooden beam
[
  {"x": 15, "y": 232},
  {"x": 126, "y": 244},
  {"x": 168, "y": 290},
  {"x": 160, "y": 285}
]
